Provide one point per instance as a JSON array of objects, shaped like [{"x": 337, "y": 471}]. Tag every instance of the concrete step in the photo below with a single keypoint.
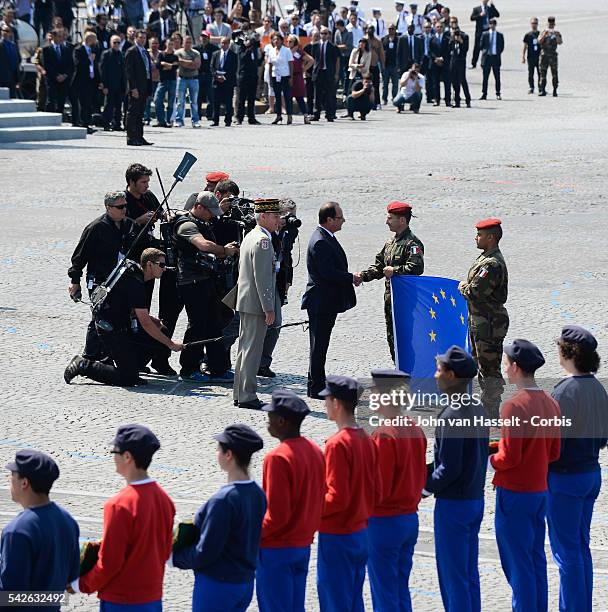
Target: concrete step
[
  {"x": 29, "y": 119},
  {"x": 38, "y": 133},
  {"x": 4, "y": 93},
  {"x": 17, "y": 106}
]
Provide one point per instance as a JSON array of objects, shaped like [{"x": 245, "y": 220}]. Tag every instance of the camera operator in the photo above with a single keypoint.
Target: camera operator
[
  {"x": 410, "y": 92},
  {"x": 103, "y": 243},
  {"x": 282, "y": 243},
  {"x": 197, "y": 254},
  {"x": 250, "y": 60},
  {"x": 361, "y": 98},
  {"x": 118, "y": 323}
]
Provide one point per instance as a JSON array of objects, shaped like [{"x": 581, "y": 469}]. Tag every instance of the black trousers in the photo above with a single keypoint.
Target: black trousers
[
  {"x": 282, "y": 90},
  {"x": 375, "y": 72},
  {"x": 203, "y": 308},
  {"x": 319, "y": 332},
  {"x": 135, "y": 117},
  {"x": 476, "y": 48},
  {"x": 458, "y": 76},
  {"x": 56, "y": 93},
  {"x": 310, "y": 94},
  {"x": 112, "y": 109},
  {"x": 222, "y": 95},
  {"x": 491, "y": 64},
  {"x": 42, "y": 18},
  {"x": 205, "y": 94},
  {"x": 442, "y": 74},
  {"x": 325, "y": 94},
  {"x": 130, "y": 352},
  {"x": 533, "y": 66},
  {"x": 247, "y": 90},
  {"x": 427, "y": 71},
  {"x": 86, "y": 91},
  {"x": 170, "y": 303}
]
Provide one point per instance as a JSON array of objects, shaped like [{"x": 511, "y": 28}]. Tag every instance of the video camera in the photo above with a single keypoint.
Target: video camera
[{"x": 242, "y": 212}]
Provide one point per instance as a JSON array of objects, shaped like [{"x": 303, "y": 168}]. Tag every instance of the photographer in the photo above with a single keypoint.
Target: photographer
[
  {"x": 410, "y": 92},
  {"x": 459, "y": 47},
  {"x": 197, "y": 252},
  {"x": 129, "y": 346},
  {"x": 103, "y": 242},
  {"x": 250, "y": 60},
  {"x": 361, "y": 98}
]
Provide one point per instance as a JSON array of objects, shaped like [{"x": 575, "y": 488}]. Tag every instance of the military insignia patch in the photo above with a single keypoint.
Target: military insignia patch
[
  {"x": 265, "y": 243},
  {"x": 483, "y": 272},
  {"x": 414, "y": 250}
]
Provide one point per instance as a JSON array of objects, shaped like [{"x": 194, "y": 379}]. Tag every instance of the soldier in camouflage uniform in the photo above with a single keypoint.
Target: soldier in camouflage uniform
[
  {"x": 486, "y": 290},
  {"x": 403, "y": 254},
  {"x": 548, "y": 41}
]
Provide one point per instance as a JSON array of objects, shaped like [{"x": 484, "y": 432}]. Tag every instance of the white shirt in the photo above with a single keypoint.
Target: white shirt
[
  {"x": 279, "y": 60},
  {"x": 401, "y": 21},
  {"x": 358, "y": 33},
  {"x": 417, "y": 21},
  {"x": 326, "y": 230},
  {"x": 379, "y": 27},
  {"x": 492, "y": 49},
  {"x": 410, "y": 86}
]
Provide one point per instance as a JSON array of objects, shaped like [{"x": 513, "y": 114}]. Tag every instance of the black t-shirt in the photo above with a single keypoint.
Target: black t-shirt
[
  {"x": 128, "y": 293},
  {"x": 167, "y": 75},
  {"x": 206, "y": 53},
  {"x": 358, "y": 86},
  {"x": 137, "y": 207},
  {"x": 531, "y": 41}
]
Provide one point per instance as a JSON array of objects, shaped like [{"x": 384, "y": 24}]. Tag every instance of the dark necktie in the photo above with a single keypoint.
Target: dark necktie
[{"x": 322, "y": 56}]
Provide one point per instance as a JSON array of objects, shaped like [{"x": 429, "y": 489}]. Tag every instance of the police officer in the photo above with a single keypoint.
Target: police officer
[
  {"x": 197, "y": 253},
  {"x": 129, "y": 346},
  {"x": 39, "y": 550},
  {"x": 103, "y": 243},
  {"x": 486, "y": 290},
  {"x": 549, "y": 40},
  {"x": 403, "y": 254}
]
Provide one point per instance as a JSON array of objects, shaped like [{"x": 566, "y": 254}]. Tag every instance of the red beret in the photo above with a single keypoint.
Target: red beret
[
  {"x": 399, "y": 208},
  {"x": 216, "y": 177},
  {"x": 206, "y": 33},
  {"x": 486, "y": 223}
]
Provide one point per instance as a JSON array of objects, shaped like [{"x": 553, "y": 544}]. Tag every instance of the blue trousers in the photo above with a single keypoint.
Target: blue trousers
[
  {"x": 341, "y": 563},
  {"x": 569, "y": 509},
  {"x": 456, "y": 526},
  {"x": 280, "y": 579},
  {"x": 391, "y": 541},
  {"x": 165, "y": 89},
  {"x": 153, "y": 606},
  {"x": 520, "y": 535},
  {"x": 211, "y": 595}
]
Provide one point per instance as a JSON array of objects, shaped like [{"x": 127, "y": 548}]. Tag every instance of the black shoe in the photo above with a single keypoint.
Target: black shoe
[
  {"x": 362, "y": 117},
  {"x": 215, "y": 123},
  {"x": 315, "y": 118},
  {"x": 254, "y": 122},
  {"x": 483, "y": 97},
  {"x": 235, "y": 403},
  {"x": 456, "y": 105},
  {"x": 468, "y": 103},
  {"x": 255, "y": 404},
  {"x": 314, "y": 396},
  {"x": 117, "y": 128},
  {"x": 145, "y": 370},
  {"x": 91, "y": 130},
  {"x": 473, "y": 66},
  {"x": 531, "y": 90},
  {"x": 436, "y": 103},
  {"x": 542, "y": 93},
  {"x": 277, "y": 120},
  {"x": 74, "y": 369},
  {"x": 228, "y": 124},
  {"x": 144, "y": 142},
  {"x": 134, "y": 143},
  {"x": 266, "y": 372},
  {"x": 147, "y": 122},
  {"x": 163, "y": 367},
  {"x": 498, "y": 97},
  {"x": 555, "y": 93},
  {"x": 330, "y": 119},
  {"x": 107, "y": 128},
  {"x": 239, "y": 122},
  {"x": 160, "y": 125}
]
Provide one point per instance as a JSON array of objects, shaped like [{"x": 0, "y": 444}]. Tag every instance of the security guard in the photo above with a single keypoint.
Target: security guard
[
  {"x": 104, "y": 242},
  {"x": 403, "y": 254},
  {"x": 39, "y": 549},
  {"x": 197, "y": 251},
  {"x": 118, "y": 322},
  {"x": 549, "y": 41},
  {"x": 486, "y": 290},
  {"x": 256, "y": 299}
]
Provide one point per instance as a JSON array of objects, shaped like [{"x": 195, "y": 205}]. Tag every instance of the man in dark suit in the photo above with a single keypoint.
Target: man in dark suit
[
  {"x": 250, "y": 59},
  {"x": 163, "y": 28},
  {"x": 492, "y": 46},
  {"x": 224, "y": 64},
  {"x": 114, "y": 84},
  {"x": 10, "y": 61},
  {"x": 329, "y": 290},
  {"x": 459, "y": 47},
  {"x": 86, "y": 79},
  {"x": 481, "y": 15},
  {"x": 426, "y": 67},
  {"x": 324, "y": 73},
  {"x": 59, "y": 67},
  {"x": 138, "y": 68},
  {"x": 410, "y": 50},
  {"x": 101, "y": 29},
  {"x": 440, "y": 51}
]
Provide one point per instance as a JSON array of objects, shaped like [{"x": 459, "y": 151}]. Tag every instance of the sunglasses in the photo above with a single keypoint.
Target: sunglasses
[
  {"x": 160, "y": 264},
  {"x": 118, "y": 206},
  {"x": 116, "y": 452}
]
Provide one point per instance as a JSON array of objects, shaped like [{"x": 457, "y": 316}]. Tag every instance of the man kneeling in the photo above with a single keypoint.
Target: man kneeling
[{"x": 410, "y": 92}]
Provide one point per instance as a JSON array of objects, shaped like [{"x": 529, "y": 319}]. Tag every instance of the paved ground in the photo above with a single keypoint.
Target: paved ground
[{"x": 537, "y": 163}]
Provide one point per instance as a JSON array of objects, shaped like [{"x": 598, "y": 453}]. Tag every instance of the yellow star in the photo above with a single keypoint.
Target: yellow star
[
  {"x": 453, "y": 300},
  {"x": 462, "y": 319},
  {"x": 442, "y": 292},
  {"x": 432, "y": 313},
  {"x": 436, "y": 299},
  {"x": 433, "y": 335}
]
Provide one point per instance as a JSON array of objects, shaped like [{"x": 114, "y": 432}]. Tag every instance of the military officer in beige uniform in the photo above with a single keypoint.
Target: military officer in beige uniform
[
  {"x": 256, "y": 299},
  {"x": 402, "y": 254},
  {"x": 486, "y": 290}
]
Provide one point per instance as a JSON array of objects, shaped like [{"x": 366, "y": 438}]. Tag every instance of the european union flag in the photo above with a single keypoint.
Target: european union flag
[{"x": 429, "y": 316}]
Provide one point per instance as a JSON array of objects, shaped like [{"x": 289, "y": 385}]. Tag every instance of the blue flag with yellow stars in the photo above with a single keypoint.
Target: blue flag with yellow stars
[{"x": 429, "y": 316}]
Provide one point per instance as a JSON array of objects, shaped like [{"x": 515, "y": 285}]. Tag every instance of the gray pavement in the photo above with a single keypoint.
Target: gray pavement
[{"x": 539, "y": 164}]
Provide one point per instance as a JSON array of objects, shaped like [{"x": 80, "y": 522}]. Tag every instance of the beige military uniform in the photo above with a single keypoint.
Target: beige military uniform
[{"x": 254, "y": 295}]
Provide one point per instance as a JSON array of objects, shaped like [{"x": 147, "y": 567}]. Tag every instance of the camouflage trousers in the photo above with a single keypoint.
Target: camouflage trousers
[
  {"x": 546, "y": 62},
  {"x": 388, "y": 316}
]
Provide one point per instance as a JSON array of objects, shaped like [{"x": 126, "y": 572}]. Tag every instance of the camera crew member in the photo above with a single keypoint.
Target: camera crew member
[
  {"x": 197, "y": 252},
  {"x": 361, "y": 98},
  {"x": 118, "y": 322},
  {"x": 282, "y": 243},
  {"x": 250, "y": 60},
  {"x": 410, "y": 92},
  {"x": 104, "y": 242}
]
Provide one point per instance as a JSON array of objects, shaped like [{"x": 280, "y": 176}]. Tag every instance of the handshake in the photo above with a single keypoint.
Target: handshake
[{"x": 358, "y": 279}]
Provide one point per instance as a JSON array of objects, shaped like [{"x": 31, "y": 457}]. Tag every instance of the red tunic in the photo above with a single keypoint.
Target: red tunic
[
  {"x": 299, "y": 88},
  {"x": 294, "y": 483}
]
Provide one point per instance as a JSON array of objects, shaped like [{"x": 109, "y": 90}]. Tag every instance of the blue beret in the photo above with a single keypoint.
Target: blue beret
[
  {"x": 459, "y": 361},
  {"x": 240, "y": 437},
  {"x": 387, "y": 373},
  {"x": 38, "y": 468},
  {"x": 579, "y": 335},
  {"x": 286, "y": 401},
  {"x": 525, "y": 354},
  {"x": 136, "y": 438},
  {"x": 341, "y": 387}
]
